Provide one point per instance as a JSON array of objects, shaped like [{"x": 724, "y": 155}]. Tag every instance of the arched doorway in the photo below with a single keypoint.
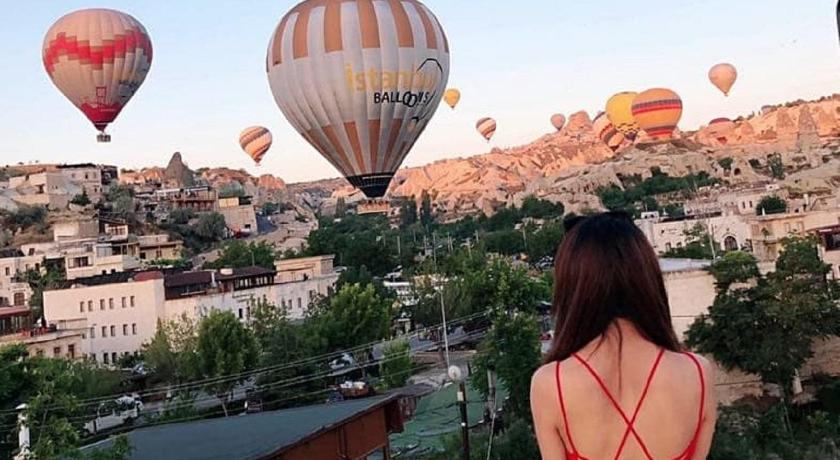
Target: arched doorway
[{"x": 730, "y": 243}]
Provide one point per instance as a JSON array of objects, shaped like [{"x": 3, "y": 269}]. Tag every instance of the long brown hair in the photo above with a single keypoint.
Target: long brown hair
[{"x": 604, "y": 270}]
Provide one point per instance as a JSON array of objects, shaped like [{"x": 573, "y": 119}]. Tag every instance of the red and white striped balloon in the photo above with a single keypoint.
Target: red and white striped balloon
[
  {"x": 98, "y": 58},
  {"x": 486, "y": 127},
  {"x": 255, "y": 141}
]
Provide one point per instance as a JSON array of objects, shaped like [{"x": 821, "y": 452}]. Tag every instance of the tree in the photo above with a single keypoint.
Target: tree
[
  {"x": 340, "y": 207},
  {"x": 698, "y": 245},
  {"x": 171, "y": 354},
  {"x": 726, "y": 163},
  {"x": 426, "y": 217},
  {"x": 777, "y": 168},
  {"x": 81, "y": 199},
  {"x": 238, "y": 254},
  {"x": 231, "y": 190},
  {"x": 396, "y": 364},
  {"x": 39, "y": 282},
  {"x": 225, "y": 349},
  {"x": 767, "y": 325},
  {"x": 211, "y": 227},
  {"x": 541, "y": 209},
  {"x": 771, "y": 204},
  {"x": 181, "y": 216},
  {"x": 355, "y": 315},
  {"x": 544, "y": 241},
  {"x": 24, "y": 218},
  {"x": 408, "y": 212}
]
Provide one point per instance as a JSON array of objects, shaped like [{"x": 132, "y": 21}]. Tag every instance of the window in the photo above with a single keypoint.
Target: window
[
  {"x": 101, "y": 304},
  {"x": 39, "y": 353},
  {"x": 240, "y": 313},
  {"x": 131, "y": 301},
  {"x": 667, "y": 246},
  {"x": 82, "y": 306},
  {"x": 93, "y": 332},
  {"x": 300, "y": 302},
  {"x": 125, "y": 329},
  {"x": 104, "y": 331},
  {"x": 133, "y": 328},
  {"x": 123, "y": 302},
  {"x": 57, "y": 352},
  {"x": 8, "y": 272},
  {"x": 90, "y": 305},
  {"x": 111, "y": 303},
  {"x": 114, "y": 357},
  {"x": 71, "y": 351},
  {"x": 105, "y": 357},
  {"x": 113, "y": 330}
]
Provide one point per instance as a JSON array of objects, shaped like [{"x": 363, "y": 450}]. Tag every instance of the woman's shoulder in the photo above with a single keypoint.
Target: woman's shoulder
[{"x": 689, "y": 362}]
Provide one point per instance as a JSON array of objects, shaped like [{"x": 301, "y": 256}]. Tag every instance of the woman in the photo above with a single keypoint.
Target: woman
[{"x": 616, "y": 383}]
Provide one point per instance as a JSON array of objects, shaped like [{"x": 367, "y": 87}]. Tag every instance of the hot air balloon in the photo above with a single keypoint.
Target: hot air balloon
[
  {"x": 486, "y": 127},
  {"x": 452, "y": 96},
  {"x": 98, "y": 58},
  {"x": 657, "y": 111},
  {"x": 255, "y": 141},
  {"x": 619, "y": 111},
  {"x": 721, "y": 129},
  {"x": 605, "y": 131},
  {"x": 360, "y": 81},
  {"x": 723, "y": 76},
  {"x": 558, "y": 121}
]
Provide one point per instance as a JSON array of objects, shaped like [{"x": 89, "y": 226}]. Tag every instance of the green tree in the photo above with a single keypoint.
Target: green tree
[
  {"x": 231, "y": 190},
  {"x": 225, "y": 349},
  {"x": 340, "y": 207},
  {"x": 541, "y": 209},
  {"x": 171, "y": 353},
  {"x": 211, "y": 227},
  {"x": 698, "y": 245},
  {"x": 238, "y": 254},
  {"x": 408, "y": 212},
  {"x": 767, "y": 326},
  {"x": 771, "y": 204},
  {"x": 355, "y": 315},
  {"x": 426, "y": 217},
  {"x": 24, "y": 218},
  {"x": 396, "y": 364},
  {"x": 181, "y": 216},
  {"x": 726, "y": 163},
  {"x": 777, "y": 168},
  {"x": 39, "y": 282},
  {"x": 81, "y": 199},
  {"x": 544, "y": 241}
]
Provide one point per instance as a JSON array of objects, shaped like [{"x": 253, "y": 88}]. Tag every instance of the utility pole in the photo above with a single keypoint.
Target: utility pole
[
  {"x": 465, "y": 423},
  {"x": 490, "y": 407},
  {"x": 399, "y": 246},
  {"x": 445, "y": 331}
]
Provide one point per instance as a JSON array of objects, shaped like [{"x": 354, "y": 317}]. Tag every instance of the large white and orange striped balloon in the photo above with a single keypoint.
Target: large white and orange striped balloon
[
  {"x": 486, "y": 127},
  {"x": 558, "y": 121},
  {"x": 255, "y": 141},
  {"x": 360, "y": 80},
  {"x": 98, "y": 58}
]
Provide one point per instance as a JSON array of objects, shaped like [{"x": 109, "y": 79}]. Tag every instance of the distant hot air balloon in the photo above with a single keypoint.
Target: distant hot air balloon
[
  {"x": 255, "y": 141},
  {"x": 360, "y": 81},
  {"x": 723, "y": 76},
  {"x": 452, "y": 96},
  {"x": 721, "y": 129},
  {"x": 620, "y": 112},
  {"x": 558, "y": 121},
  {"x": 605, "y": 131},
  {"x": 486, "y": 127},
  {"x": 98, "y": 58},
  {"x": 658, "y": 111}
]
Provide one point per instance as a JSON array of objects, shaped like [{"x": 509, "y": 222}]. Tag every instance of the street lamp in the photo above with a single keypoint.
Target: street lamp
[{"x": 456, "y": 375}]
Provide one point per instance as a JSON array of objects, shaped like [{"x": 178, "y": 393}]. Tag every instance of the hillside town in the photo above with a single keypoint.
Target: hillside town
[{"x": 96, "y": 263}]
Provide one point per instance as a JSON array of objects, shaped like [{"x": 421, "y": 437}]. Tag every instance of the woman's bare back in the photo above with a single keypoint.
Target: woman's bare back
[{"x": 667, "y": 419}]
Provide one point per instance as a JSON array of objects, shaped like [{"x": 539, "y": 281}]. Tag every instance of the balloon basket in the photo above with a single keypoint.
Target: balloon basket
[
  {"x": 103, "y": 138},
  {"x": 373, "y": 206}
]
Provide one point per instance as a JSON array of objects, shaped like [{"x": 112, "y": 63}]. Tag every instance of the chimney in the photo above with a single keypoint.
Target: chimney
[{"x": 23, "y": 434}]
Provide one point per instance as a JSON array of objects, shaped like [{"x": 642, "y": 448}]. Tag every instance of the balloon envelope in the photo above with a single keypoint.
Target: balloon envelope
[
  {"x": 359, "y": 80},
  {"x": 255, "y": 141},
  {"x": 452, "y": 96},
  {"x": 558, "y": 121},
  {"x": 486, "y": 127},
  {"x": 619, "y": 111},
  {"x": 605, "y": 131},
  {"x": 721, "y": 129},
  {"x": 98, "y": 58},
  {"x": 657, "y": 111},
  {"x": 723, "y": 76}
]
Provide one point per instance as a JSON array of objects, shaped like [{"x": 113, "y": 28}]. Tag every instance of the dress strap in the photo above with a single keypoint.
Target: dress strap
[
  {"x": 563, "y": 410},
  {"x": 702, "y": 399},
  {"x": 629, "y": 421}
]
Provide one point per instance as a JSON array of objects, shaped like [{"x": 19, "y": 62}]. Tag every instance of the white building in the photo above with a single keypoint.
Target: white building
[
  {"x": 117, "y": 313},
  {"x": 12, "y": 263},
  {"x": 730, "y": 231}
]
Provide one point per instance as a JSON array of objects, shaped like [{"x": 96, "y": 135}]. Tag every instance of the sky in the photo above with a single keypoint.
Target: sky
[{"x": 517, "y": 61}]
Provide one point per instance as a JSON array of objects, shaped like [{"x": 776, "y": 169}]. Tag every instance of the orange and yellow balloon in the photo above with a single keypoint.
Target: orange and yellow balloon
[
  {"x": 606, "y": 132},
  {"x": 486, "y": 127},
  {"x": 723, "y": 76},
  {"x": 620, "y": 112},
  {"x": 360, "y": 81},
  {"x": 255, "y": 141},
  {"x": 558, "y": 121},
  {"x": 657, "y": 111},
  {"x": 98, "y": 58},
  {"x": 452, "y": 96}
]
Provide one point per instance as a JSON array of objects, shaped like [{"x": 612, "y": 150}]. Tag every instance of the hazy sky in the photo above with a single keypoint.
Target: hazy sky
[{"x": 518, "y": 61}]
